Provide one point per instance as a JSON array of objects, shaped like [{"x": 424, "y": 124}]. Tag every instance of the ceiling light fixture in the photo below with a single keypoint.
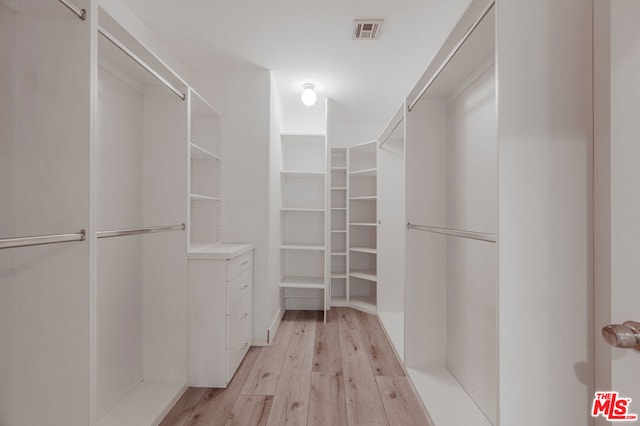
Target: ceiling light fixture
[{"x": 308, "y": 95}]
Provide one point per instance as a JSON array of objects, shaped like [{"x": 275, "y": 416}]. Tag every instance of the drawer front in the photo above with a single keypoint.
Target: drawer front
[
  {"x": 240, "y": 326},
  {"x": 238, "y": 290},
  {"x": 238, "y": 264}
]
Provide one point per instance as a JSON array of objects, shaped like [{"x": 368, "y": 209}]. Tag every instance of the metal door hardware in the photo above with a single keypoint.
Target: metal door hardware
[{"x": 625, "y": 335}]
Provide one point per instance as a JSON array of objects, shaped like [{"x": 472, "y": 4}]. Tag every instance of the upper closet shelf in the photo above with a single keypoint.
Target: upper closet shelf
[
  {"x": 368, "y": 197},
  {"x": 293, "y": 174},
  {"x": 199, "y": 153},
  {"x": 302, "y": 210},
  {"x": 302, "y": 246},
  {"x": 365, "y": 172},
  {"x": 198, "y": 197}
]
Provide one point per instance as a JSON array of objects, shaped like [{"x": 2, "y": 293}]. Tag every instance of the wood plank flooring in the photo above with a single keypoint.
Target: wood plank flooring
[{"x": 340, "y": 373}]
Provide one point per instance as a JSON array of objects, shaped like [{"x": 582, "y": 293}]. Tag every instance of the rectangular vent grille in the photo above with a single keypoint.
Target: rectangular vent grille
[{"x": 366, "y": 29}]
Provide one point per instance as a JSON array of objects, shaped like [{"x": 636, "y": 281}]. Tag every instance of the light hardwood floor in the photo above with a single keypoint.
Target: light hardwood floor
[{"x": 340, "y": 373}]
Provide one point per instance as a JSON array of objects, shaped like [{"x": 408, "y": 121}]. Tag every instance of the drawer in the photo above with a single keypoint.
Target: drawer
[
  {"x": 239, "y": 326},
  {"x": 238, "y": 264},
  {"x": 238, "y": 290}
]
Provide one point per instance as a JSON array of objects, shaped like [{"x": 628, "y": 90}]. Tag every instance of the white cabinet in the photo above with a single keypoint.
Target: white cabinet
[{"x": 220, "y": 312}]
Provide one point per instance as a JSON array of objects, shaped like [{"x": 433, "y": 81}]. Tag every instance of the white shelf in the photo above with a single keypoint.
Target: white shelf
[
  {"x": 362, "y": 224},
  {"x": 338, "y": 253},
  {"x": 302, "y": 282},
  {"x": 198, "y": 197},
  {"x": 367, "y": 304},
  {"x": 307, "y": 247},
  {"x": 338, "y": 208},
  {"x": 339, "y": 231},
  {"x": 339, "y": 276},
  {"x": 199, "y": 153},
  {"x": 365, "y": 172},
  {"x": 302, "y": 210},
  {"x": 218, "y": 251},
  {"x": 339, "y": 301},
  {"x": 338, "y": 188},
  {"x": 364, "y": 250},
  {"x": 369, "y": 275},
  {"x": 146, "y": 404},
  {"x": 337, "y": 169},
  {"x": 445, "y": 399},
  {"x": 368, "y": 197},
  {"x": 299, "y": 174}
]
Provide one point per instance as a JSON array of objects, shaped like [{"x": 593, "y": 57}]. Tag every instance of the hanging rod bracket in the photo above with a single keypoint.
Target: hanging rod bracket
[{"x": 80, "y": 13}]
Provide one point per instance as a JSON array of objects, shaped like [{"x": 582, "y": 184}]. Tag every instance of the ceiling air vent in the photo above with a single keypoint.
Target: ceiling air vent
[{"x": 366, "y": 29}]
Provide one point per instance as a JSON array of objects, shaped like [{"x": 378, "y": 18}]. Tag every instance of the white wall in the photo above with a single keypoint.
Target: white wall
[
  {"x": 545, "y": 129},
  {"x": 119, "y": 260},
  {"x": 351, "y": 133},
  {"x": 243, "y": 99},
  {"x": 276, "y": 301},
  {"x": 472, "y": 266}
]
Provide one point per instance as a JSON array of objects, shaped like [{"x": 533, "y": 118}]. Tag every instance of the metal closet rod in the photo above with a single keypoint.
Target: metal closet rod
[
  {"x": 480, "y": 236},
  {"x": 124, "y": 49},
  {"x": 451, "y": 55},
  {"x": 6, "y": 243},
  {"x": 138, "y": 231},
  {"x": 80, "y": 13}
]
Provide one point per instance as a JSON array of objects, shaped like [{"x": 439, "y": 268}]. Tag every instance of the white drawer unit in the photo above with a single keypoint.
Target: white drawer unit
[{"x": 220, "y": 312}]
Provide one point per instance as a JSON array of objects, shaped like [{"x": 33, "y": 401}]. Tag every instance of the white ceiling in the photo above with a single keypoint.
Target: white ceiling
[{"x": 310, "y": 41}]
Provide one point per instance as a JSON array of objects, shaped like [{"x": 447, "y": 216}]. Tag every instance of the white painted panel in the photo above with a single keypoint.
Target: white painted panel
[
  {"x": 44, "y": 291},
  {"x": 120, "y": 150},
  {"x": 392, "y": 227},
  {"x": 472, "y": 266},
  {"x": 625, "y": 203},
  {"x": 165, "y": 263},
  {"x": 545, "y": 128},
  {"x": 425, "y": 261},
  {"x": 246, "y": 185},
  {"x": 472, "y": 169}
]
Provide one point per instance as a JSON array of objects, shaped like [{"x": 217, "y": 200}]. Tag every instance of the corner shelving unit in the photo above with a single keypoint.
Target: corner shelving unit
[
  {"x": 303, "y": 243},
  {"x": 339, "y": 234},
  {"x": 205, "y": 174},
  {"x": 361, "y": 282}
]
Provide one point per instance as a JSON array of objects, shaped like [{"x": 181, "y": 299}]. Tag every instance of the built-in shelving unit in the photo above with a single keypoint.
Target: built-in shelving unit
[
  {"x": 362, "y": 230},
  {"x": 303, "y": 243},
  {"x": 205, "y": 173},
  {"x": 339, "y": 235}
]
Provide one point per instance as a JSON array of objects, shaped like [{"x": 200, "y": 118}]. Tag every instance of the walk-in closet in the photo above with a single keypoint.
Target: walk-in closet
[{"x": 374, "y": 213}]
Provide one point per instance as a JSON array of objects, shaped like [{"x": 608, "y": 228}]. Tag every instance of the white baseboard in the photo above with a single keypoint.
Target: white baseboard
[{"x": 275, "y": 324}]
